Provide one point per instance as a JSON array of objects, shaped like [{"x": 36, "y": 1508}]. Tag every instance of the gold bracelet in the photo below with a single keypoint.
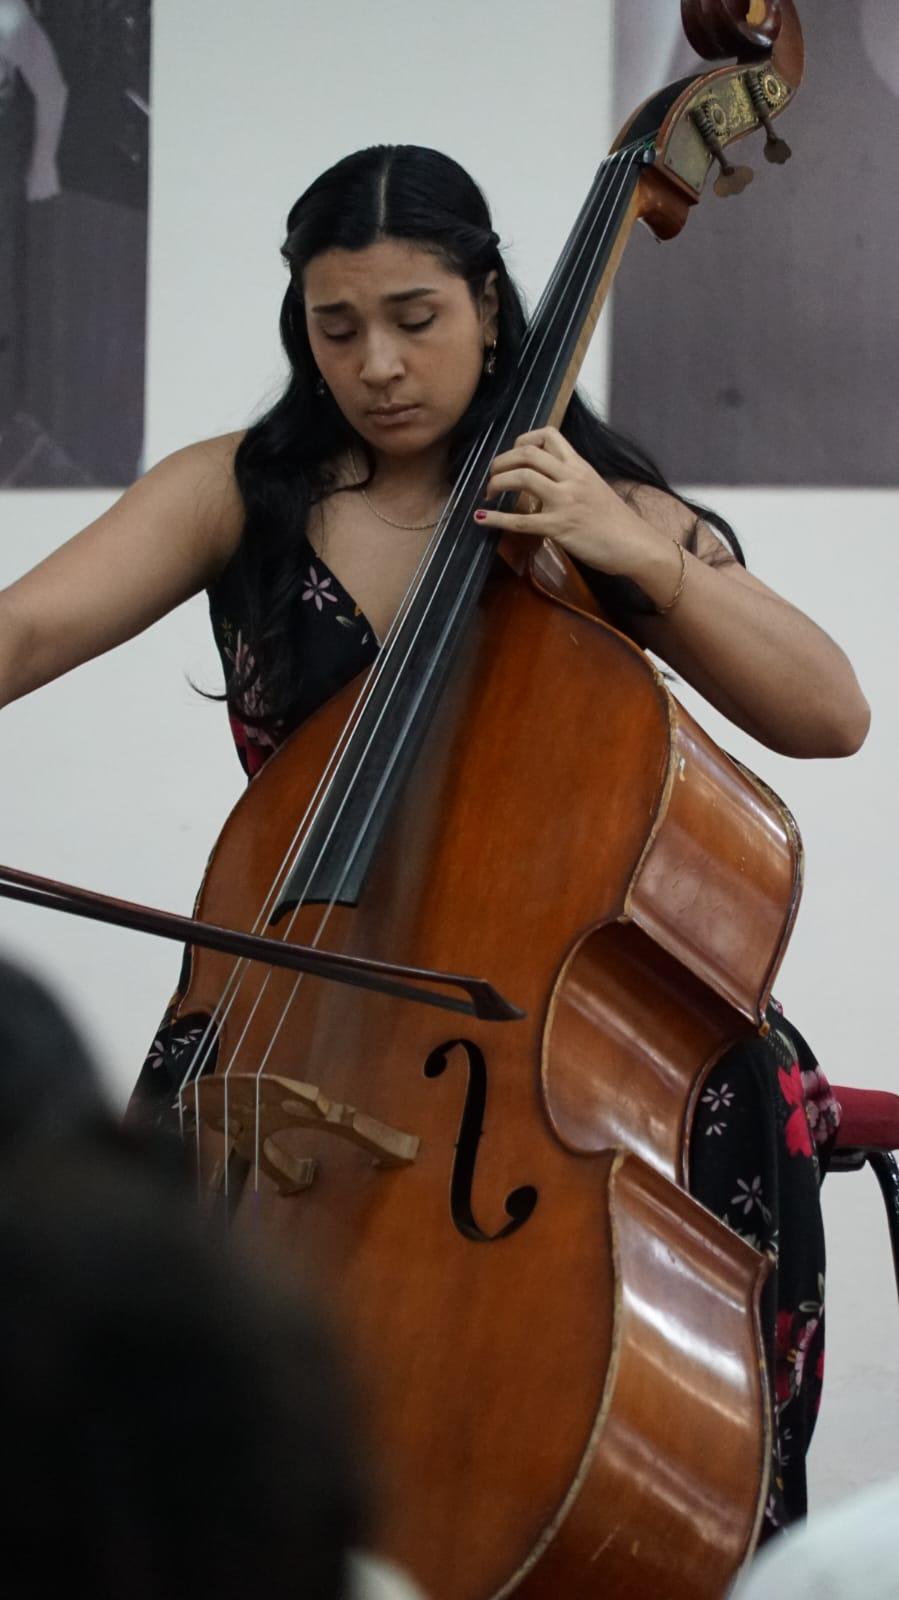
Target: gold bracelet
[{"x": 662, "y": 611}]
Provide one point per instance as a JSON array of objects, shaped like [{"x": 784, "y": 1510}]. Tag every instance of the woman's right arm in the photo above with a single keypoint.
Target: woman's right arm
[{"x": 168, "y": 536}]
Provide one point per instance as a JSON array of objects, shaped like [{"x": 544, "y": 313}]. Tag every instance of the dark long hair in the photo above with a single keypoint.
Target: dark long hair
[{"x": 282, "y": 464}]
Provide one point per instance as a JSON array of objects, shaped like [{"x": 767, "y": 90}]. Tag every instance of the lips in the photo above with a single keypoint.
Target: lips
[{"x": 393, "y": 416}]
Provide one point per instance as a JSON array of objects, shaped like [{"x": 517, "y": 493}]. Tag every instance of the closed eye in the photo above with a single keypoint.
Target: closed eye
[{"x": 406, "y": 327}]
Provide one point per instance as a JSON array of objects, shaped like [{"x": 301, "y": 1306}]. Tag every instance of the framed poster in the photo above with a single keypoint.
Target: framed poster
[
  {"x": 74, "y": 143},
  {"x": 761, "y": 346}
]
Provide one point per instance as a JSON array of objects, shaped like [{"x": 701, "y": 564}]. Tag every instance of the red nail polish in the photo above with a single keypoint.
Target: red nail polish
[{"x": 480, "y": 516}]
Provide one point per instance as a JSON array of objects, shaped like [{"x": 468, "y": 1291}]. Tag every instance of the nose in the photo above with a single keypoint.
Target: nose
[{"x": 381, "y": 360}]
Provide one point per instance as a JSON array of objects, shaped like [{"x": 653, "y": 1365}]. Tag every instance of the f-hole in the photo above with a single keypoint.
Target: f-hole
[{"x": 519, "y": 1205}]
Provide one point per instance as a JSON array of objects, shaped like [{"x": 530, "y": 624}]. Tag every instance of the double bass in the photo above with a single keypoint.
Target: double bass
[{"x": 558, "y": 1349}]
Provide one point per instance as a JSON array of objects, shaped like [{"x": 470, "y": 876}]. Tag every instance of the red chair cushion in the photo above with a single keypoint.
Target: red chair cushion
[{"x": 870, "y": 1119}]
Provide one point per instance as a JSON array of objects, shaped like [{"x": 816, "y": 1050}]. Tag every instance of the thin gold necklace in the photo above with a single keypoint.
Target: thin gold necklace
[{"x": 407, "y": 527}]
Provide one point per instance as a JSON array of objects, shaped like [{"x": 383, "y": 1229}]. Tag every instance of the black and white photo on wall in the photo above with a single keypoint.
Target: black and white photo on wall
[
  {"x": 74, "y": 144},
  {"x": 787, "y": 292}
]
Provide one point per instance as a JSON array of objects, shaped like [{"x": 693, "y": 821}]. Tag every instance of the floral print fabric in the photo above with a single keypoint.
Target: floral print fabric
[
  {"x": 761, "y": 1134},
  {"x": 338, "y": 642}
]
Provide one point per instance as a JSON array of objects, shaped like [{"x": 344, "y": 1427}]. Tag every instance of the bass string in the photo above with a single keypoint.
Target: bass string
[
  {"x": 385, "y": 708},
  {"x": 624, "y": 161},
  {"x": 374, "y": 801},
  {"x": 637, "y": 159},
  {"x": 203, "y": 1048},
  {"x": 231, "y": 989},
  {"x": 326, "y": 915},
  {"x": 327, "y": 912}
]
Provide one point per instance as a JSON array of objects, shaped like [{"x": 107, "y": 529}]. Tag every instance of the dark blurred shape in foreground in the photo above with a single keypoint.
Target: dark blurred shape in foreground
[{"x": 173, "y": 1424}]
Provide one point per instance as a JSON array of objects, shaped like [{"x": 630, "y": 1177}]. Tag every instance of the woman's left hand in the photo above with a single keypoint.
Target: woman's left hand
[
  {"x": 753, "y": 655},
  {"x": 574, "y": 506}
]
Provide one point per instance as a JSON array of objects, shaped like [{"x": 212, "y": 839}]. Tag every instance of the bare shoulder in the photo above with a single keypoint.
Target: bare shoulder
[
  {"x": 217, "y": 453},
  {"x": 199, "y": 489},
  {"x": 207, "y": 466},
  {"x": 167, "y": 537}
]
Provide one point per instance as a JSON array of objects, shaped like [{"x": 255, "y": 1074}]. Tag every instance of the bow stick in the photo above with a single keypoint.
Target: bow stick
[{"x": 485, "y": 1002}]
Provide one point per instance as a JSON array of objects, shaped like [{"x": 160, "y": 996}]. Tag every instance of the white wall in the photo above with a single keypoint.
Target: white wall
[{"x": 119, "y": 776}]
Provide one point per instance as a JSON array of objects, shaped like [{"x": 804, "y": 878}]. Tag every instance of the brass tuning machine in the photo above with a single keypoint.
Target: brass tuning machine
[
  {"x": 711, "y": 119},
  {"x": 762, "y": 90}
]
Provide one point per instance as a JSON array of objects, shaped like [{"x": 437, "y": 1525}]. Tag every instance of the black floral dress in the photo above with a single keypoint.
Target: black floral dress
[{"x": 767, "y": 1116}]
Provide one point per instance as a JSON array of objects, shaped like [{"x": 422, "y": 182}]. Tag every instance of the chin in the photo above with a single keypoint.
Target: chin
[{"x": 409, "y": 440}]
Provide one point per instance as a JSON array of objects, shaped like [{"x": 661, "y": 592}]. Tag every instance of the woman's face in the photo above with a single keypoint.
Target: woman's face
[{"x": 398, "y": 340}]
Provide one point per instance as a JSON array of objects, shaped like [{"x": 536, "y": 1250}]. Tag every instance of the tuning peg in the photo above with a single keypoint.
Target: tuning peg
[
  {"x": 711, "y": 120},
  {"x": 776, "y": 149},
  {"x": 732, "y": 180}
]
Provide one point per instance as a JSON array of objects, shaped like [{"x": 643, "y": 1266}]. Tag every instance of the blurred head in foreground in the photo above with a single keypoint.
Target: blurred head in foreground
[
  {"x": 48, "y": 1086},
  {"x": 172, "y": 1421}
]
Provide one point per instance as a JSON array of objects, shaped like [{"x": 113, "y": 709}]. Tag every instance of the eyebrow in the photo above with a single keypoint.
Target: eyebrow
[{"x": 391, "y": 299}]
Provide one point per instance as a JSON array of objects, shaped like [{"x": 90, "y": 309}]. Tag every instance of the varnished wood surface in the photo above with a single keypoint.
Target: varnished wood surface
[{"x": 487, "y": 1367}]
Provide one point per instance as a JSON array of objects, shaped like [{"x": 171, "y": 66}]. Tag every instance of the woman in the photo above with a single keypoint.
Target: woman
[{"x": 402, "y": 330}]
